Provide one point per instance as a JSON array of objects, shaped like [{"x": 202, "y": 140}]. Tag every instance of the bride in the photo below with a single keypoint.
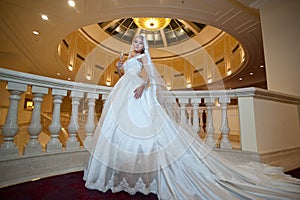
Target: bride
[{"x": 140, "y": 145}]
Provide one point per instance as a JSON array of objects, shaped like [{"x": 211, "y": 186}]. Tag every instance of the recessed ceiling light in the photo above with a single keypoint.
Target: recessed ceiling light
[
  {"x": 44, "y": 17},
  {"x": 71, "y": 3},
  {"x": 229, "y": 72},
  {"x": 262, "y": 66},
  {"x": 240, "y": 78},
  {"x": 89, "y": 77},
  {"x": 35, "y": 32},
  {"x": 58, "y": 74},
  {"x": 209, "y": 80},
  {"x": 69, "y": 79},
  {"x": 251, "y": 73},
  {"x": 70, "y": 67}
]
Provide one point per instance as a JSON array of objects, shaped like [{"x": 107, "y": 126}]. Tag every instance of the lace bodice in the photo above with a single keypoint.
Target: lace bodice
[{"x": 133, "y": 65}]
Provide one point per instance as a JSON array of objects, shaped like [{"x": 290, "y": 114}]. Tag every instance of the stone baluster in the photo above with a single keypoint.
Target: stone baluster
[
  {"x": 55, "y": 127},
  {"x": 225, "y": 143},
  {"x": 200, "y": 120},
  {"x": 90, "y": 125},
  {"x": 189, "y": 113},
  {"x": 195, "y": 104},
  {"x": 210, "y": 140},
  {"x": 183, "y": 102},
  {"x": 73, "y": 127},
  {"x": 173, "y": 103},
  {"x": 35, "y": 126},
  {"x": 11, "y": 127}
]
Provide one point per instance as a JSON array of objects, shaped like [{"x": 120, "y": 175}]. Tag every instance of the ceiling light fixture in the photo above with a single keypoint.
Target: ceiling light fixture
[
  {"x": 71, "y": 3},
  {"x": 70, "y": 67},
  {"x": 229, "y": 72},
  {"x": 209, "y": 80},
  {"x": 44, "y": 17},
  {"x": 35, "y": 32},
  {"x": 152, "y": 24},
  {"x": 240, "y": 78},
  {"x": 251, "y": 73},
  {"x": 89, "y": 77}
]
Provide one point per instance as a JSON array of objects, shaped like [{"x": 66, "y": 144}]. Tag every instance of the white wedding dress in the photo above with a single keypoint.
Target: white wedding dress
[{"x": 138, "y": 147}]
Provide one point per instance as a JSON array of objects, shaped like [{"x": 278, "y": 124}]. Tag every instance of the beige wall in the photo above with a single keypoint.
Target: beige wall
[
  {"x": 268, "y": 125},
  {"x": 277, "y": 126},
  {"x": 281, "y": 31}
]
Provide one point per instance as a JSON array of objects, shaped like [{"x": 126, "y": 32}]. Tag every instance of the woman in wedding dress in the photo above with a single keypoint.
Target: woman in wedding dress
[{"x": 140, "y": 145}]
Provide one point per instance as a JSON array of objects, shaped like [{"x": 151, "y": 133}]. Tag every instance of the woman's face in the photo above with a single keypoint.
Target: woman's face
[{"x": 138, "y": 45}]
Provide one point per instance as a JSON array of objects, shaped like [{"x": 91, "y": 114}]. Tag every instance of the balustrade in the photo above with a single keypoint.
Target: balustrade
[
  {"x": 188, "y": 102},
  {"x": 49, "y": 136}
]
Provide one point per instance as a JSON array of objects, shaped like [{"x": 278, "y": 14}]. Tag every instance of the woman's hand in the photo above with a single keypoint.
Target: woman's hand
[
  {"x": 119, "y": 64},
  {"x": 139, "y": 91}
]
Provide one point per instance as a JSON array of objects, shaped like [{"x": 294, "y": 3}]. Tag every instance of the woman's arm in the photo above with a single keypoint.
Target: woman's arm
[
  {"x": 139, "y": 91},
  {"x": 119, "y": 66}
]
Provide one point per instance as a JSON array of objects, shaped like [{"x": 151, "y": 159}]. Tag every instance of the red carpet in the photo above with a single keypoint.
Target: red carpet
[
  {"x": 64, "y": 187},
  {"x": 69, "y": 187}
]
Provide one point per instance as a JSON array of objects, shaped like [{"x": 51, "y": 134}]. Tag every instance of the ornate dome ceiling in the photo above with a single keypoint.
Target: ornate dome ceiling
[{"x": 160, "y": 32}]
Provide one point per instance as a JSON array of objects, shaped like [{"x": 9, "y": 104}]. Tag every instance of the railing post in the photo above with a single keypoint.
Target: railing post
[
  {"x": 210, "y": 140},
  {"x": 35, "y": 126},
  {"x": 73, "y": 127},
  {"x": 183, "y": 102},
  {"x": 55, "y": 127},
  {"x": 90, "y": 125},
  {"x": 225, "y": 143},
  {"x": 195, "y": 102},
  {"x": 11, "y": 127}
]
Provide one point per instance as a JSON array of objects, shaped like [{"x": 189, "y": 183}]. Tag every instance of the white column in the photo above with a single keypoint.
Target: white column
[
  {"x": 183, "y": 102},
  {"x": 11, "y": 127},
  {"x": 55, "y": 127},
  {"x": 73, "y": 127},
  {"x": 35, "y": 126},
  {"x": 225, "y": 143},
  {"x": 90, "y": 125},
  {"x": 195, "y": 102},
  {"x": 210, "y": 140}
]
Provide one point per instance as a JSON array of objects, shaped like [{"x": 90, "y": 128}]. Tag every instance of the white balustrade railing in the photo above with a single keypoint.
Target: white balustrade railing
[
  {"x": 17, "y": 83},
  {"x": 189, "y": 101},
  {"x": 206, "y": 111}
]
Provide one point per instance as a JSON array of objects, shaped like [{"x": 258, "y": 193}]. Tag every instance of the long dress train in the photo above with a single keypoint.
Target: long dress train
[{"x": 139, "y": 148}]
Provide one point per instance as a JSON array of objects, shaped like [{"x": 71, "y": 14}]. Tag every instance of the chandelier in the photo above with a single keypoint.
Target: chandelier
[{"x": 152, "y": 24}]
